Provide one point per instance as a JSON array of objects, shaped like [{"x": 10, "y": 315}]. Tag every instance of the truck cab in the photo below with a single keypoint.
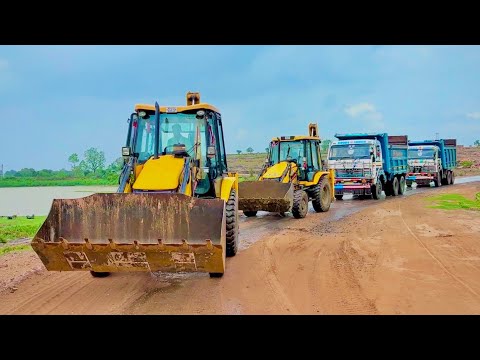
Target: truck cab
[
  {"x": 357, "y": 165},
  {"x": 368, "y": 163},
  {"x": 431, "y": 160},
  {"x": 424, "y": 163}
]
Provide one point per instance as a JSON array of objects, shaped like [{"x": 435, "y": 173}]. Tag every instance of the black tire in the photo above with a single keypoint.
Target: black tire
[
  {"x": 377, "y": 190},
  {"x": 300, "y": 204},
  {"x": 322, "y": 195},
  {"x": 249, "y": 213},
  {"x": 99, "y": 274},
  {"x": 445, "y": 180},
  {"x": 402, "y": 186},
  {"x": 216, "y": 275},
  {"x": 438, "y": 181},
  {"x": 409, "y": 184},
  {"x": 387, "y": 187},
  {"x": 449, "y": 178},
  {"x": 232, "y": 224},
  {"x": 339, "y": 197},
  {"x": 452, "y": 178},
  {"x": 395, "y": 186}
]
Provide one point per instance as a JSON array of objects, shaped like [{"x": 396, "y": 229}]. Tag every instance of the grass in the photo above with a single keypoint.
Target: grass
[
  {"x": 455, "y": 202},
  {"x": 6, "y": 249},
  {"x": 466, "y": 163},
  {"x": 30, "y": 182},
  {"x": 19, "y": 227}
]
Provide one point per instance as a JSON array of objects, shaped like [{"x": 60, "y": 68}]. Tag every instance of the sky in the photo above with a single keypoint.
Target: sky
[{"x": 59, "y": 100}]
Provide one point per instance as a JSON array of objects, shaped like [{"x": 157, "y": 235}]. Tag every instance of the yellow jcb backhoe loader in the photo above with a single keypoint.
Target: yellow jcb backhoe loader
[
  {"x": 175, "y": 209},
  {"x": 292, "y": 175}
]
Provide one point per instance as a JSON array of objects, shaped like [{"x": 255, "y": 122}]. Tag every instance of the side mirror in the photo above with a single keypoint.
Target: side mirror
[
  {"x": 211, "y": 151},
  {"x": 126, "y": 151}
]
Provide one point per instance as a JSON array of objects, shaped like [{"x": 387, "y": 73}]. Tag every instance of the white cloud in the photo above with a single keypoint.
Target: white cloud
[
  {"x": 358, "y": 109},
  {"x": 370, "y": 117},
  {"x": 474, "y": 115}
]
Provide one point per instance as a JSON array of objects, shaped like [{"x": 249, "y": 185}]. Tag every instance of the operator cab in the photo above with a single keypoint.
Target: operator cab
[
  {"x": 302, "y": 150},
  {"x": 193, "y": 132}
]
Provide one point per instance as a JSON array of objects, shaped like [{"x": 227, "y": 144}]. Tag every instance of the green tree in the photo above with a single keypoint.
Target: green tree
[
  {"x": 73, "y": 159},
  {"x": 27, "y": 172},
  {"x": 239, "y": 152},
  {"x": 249, "y": 150},
  {"x": 94, "y": 160},
  {"x": 115, "y": 166},
  {"x": 477, "y": 143},
  {"x": 266, "y": 150},
  {"x": 324, "y": 146}
]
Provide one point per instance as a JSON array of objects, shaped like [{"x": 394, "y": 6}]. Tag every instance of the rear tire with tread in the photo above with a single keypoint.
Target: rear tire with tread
[
  {"x": 402, "y": 185},
  {"x": 322, "y": 195},
  {"x": 232, "y": 224},
  {"x": 395, "y": 186},
  {"x": 300, "y": 204}
]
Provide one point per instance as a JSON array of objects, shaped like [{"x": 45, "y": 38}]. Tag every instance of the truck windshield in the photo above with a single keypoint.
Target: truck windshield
[
  {"x": 416, "y": 153},
  {"x": 350, "y": 151},
  {"x": 174, "y": 129},
  {"x": 287, "y": 150}
]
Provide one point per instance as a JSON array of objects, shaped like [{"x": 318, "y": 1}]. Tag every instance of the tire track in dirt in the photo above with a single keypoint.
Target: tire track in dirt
[
  {"x": 348, "y": 294},
  {"x": 435, "y": 258}
]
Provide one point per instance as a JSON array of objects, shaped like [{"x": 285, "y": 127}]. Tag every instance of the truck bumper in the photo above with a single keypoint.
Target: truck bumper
[
  {"x": 360, "y": 189},
  {"x": 419, "y": 179}
]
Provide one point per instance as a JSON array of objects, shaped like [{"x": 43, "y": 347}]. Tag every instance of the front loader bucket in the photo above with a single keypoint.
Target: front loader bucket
[
  {"x": 133, "y": 232},
  {"x": 266, "y": 195}
]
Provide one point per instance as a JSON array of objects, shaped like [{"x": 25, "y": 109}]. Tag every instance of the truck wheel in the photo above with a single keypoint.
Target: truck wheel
[
  {"x": 339, "y": 197},
  {"x": 409, "y": 184},
  {"x": 322, "y": 195},
  {"x": 387, "y": 188},
  {"x": 449, "y": 178},
  {"x": 402, "y": 186},
  {"x": 300, "y": 204},
  {"x": 452, "y": 178},
  {"x": 99, "y": 274},
  {"x": 232, "y": 224},
  {"x": 395, "y": 187},
  {"x": 377, "y": 190},
  {"x": 438, "y": 180},
  {"x": 249, "y": 213},
  {"x": 445, "y": 180}
]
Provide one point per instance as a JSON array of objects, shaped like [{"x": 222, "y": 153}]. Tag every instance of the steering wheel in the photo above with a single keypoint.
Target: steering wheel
[{"x": 165, "y": 149}]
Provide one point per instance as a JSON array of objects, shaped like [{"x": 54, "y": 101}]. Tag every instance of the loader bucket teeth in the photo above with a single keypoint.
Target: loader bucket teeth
[
  {"x": 266, "y": 195},
  {"x": 133, "y": 232}
]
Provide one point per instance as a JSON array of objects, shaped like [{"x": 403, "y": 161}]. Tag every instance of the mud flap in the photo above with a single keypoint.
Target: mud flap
[
  {"x": 133, "y": 232},
  {"x": 265, "y": 195}
]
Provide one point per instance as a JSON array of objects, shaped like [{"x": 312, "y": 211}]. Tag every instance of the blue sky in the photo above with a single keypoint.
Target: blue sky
[{"x": 57, "y": 100}]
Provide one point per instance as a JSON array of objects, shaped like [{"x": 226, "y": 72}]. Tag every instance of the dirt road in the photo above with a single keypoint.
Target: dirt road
[{"x": 392, "y": 257}]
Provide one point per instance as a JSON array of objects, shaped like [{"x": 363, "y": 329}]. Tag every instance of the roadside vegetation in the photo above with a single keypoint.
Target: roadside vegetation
[
  {"x": 19, "y": 227},
  {"x": 454, "y": 202},
  {"x": 92, "y": 169}
]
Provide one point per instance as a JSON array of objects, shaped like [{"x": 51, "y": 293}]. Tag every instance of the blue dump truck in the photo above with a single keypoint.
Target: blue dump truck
[
  {"x": 366, "y": 164},
  {"x": 432, "y": 160}
]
